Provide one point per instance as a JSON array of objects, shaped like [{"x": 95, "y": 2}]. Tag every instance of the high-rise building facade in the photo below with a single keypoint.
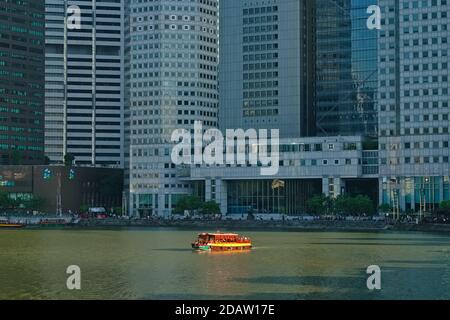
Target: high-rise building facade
[
  {"x": 84, "y": 100},
  {"x": 414, "y": 103},
  {"x": 346, "y": 69},
  {"x": 306, "y": 67},
  {"x": 172, "y": 82},
  {"x": 21, "y": 82},
  {"x": 390, "y": 84},
  {"x": 278, "y": 59},
  {"x": 266, "y": 65}
]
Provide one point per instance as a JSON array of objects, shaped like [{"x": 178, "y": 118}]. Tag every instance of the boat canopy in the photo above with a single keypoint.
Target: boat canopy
[{"x": 219, "y": 236}]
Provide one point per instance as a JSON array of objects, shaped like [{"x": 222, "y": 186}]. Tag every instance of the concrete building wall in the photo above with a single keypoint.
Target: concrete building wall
[
  {"x": 307, "y": 167},
  {"x": 263, "y": 75},
  {"x": 414, "y": 103},
  {"x": 173, "y": 64},
  {"x": 85, "y": 83}
]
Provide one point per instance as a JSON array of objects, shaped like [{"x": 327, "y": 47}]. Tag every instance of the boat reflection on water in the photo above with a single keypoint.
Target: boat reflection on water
[{"x": 223, "y": 253}]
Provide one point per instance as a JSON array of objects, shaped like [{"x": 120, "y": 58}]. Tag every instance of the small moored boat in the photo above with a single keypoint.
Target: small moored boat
[
  {"x": 10, "y": 225},
  {"x": 221, "y": 242}
]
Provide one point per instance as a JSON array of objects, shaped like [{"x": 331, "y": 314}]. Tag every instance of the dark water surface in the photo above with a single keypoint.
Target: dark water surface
[{"x": 159, "y": 264}]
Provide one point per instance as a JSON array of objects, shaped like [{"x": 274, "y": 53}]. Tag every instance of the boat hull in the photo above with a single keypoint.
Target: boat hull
[
  {"x": 231, "y": 246},
  {"x": 11, "y": 226},
  {"x": 201, "y": 248},
  {"x": 223, "y": 247}
]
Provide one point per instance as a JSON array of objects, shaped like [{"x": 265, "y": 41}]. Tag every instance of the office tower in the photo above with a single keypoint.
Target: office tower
[
  {"x": 173, "y": 57},
  {"x": 346, "y": 69},
  {"x": 414, "y": 104},
  {"x": 272, "y": 67},
  {"x": 21, "y": 82},
  {"x": 267, "y": 65},
  {"x": 126, "y": 118},
  {"x": 85, "y": 82}
]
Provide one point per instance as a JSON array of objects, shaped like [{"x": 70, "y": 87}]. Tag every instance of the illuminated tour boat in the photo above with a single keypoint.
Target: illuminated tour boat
[{"x": 221, "y": 242}]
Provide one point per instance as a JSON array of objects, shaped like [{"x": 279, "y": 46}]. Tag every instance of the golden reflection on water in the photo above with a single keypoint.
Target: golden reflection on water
[{"x": 159, "y": 264}]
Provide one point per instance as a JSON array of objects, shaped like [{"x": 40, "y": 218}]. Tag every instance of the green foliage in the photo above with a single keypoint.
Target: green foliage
[
  {"x": 193, "y": 203},
  {"x": 33, "y": 204},
  {"x": 320, "y": 205},
  {"x": 385, "y": 208},
  {"x": 360, "y": 205},
  {"x": 84, "y": 208},
  {"x": 189, "y": 203},
  {"x": 444, "y": 208},
  {"x": 210, "y": 207},
  {"x": 118, "y": 211},
  {"x": 341, "y": 205},
  {"x": 5, "y": 201},
  {"x": 69, "y": 159},
  {"x": 36, "y": 203},
  {"x": 16, "y": 157}
]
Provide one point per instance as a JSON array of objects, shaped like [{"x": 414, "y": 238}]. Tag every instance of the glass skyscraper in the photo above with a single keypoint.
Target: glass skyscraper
[
  {"x": 346, "y": 69},
  {"x": 21, "y": 82}
]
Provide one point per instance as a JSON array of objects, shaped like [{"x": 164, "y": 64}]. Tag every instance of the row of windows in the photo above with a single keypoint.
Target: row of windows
[
  {"x": 423, "y": 29},
  {"x": 260, "y": 29},
  {"x": 260, "y": 103},
  {"x": 416, "y": 93},
  {"x": 260, "y": 113},
  {"x": 260, "y": 47},
  {"x": 416, "y": 145},
  {"x": 424, "y": 16},
  {"x": 426, "y": 117},
  {"x": 260, "y": 10},
  {"x": 417, "y": 105},
  {"x": 261, "y": 94},
  {"x": 260, "y": 19},
  {"x": 426, "y": 67},
  {"x": 416, "y": 131},
  {"x": 303, "y": 163},
  {"x": 260, "y": 38},
  {"x": 414, "y": 160},
  {"x": 414, "y": 4}
]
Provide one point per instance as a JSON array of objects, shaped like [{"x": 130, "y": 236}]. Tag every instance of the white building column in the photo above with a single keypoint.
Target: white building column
[
  {"x": 402, "y": 194},
  {"x": 380, "y": 190},
  {"x": 132, "y": 212},
  {"x": 208, "y": 189},
  {"x": 338, "y": 184},
  {"x": 413, "y": 194},
  {"x": 325, "y": 186},
  {"x": 161, "y": 204},
  {"x": 222, "y": 195},
  {"x": 154, "y": 201}
]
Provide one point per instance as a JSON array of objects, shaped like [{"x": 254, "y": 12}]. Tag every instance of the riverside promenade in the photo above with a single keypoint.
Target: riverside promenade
[
  {"x": 297, "y": 225},
  {"x": 316, "y": 224}
]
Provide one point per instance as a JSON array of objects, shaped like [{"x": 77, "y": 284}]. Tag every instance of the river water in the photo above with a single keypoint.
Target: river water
[{"x": 159, "y": 264}]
